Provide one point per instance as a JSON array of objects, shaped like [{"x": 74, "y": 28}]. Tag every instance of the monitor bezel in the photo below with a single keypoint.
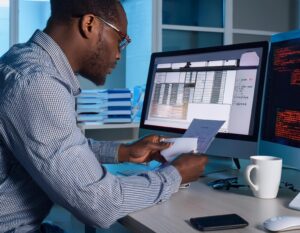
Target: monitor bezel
[{"x": 261, "y": 44}]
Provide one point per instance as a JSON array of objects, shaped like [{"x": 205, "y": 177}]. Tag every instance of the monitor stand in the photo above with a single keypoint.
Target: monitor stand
[
  {"x": 237, "y": 163},
  {"x": 220, "y": 167},
  {"x": 295, "y": 203}
]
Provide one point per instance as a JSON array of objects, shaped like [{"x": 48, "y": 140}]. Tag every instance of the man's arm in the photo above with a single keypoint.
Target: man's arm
[
  {"x": 143, "y": 150},
  {"x": 50, "y": 146}
]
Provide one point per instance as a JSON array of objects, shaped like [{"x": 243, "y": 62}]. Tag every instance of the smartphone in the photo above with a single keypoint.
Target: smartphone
[{"x": 218, "y": 222}]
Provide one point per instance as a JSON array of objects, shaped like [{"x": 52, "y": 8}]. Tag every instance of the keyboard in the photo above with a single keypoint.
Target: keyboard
[{"x": 295, "y": 203}]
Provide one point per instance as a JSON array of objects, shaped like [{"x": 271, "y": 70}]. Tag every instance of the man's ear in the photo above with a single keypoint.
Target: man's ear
[{"x": 88, "y": 25}]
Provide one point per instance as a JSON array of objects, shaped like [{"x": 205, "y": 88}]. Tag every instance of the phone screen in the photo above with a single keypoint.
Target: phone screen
[{"x": 218, "y": 222}]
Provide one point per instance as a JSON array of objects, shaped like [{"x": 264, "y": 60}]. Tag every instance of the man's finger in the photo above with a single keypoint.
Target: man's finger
[
  {"x": 151, "y": 138},
  {"x": 157, "y": 156},
  {"x": 158, "y": 146}
]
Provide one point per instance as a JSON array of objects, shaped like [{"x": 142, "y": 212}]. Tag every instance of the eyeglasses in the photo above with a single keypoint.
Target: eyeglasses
[
  {"x": 226, "y": 184},
  {"x": 229, "y": 183},
  {"x": 289, "y": 186},
  {"x": 125, "y": 38}
]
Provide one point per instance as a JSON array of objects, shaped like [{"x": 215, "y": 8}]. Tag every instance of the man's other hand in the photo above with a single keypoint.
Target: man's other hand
[
  {"x": 190, "y": 166},
  {"x": 144, "y": 150}
]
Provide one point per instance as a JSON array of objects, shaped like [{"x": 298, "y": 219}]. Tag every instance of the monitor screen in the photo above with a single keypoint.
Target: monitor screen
[
  {"x": 216, "y": 83},
  {"x": 281, "y": 120}
]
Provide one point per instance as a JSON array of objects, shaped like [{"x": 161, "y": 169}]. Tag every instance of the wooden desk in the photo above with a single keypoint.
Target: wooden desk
[{"x": 201, "y": 200}]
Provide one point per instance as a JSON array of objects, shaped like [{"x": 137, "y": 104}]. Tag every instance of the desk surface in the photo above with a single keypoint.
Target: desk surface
[{"x": 201, "y": 200}]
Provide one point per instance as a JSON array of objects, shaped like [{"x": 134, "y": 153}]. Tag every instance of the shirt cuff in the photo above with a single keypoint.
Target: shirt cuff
[
  {"x": 172, "y": 180},
  {"x": 149, "y": 188},
  {"x": 105, "y": 151}
]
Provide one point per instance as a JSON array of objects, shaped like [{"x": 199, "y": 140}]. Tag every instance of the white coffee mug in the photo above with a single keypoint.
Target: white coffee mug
[{"x": 263, "y": 175}]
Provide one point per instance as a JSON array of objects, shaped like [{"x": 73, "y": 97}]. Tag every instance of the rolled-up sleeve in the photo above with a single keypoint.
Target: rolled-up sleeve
[{"x": 49, "y": 145}]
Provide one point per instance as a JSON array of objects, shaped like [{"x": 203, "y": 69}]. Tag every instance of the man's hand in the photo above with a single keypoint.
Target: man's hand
[
  {"x": 190, "y": 166},
  {"x": 143, "y": 150}
]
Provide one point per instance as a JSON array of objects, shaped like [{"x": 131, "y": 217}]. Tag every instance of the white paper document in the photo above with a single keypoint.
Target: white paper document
[
  {"x": 205, "y": 131},
  {"x": 179, "y": 146},
  {"x": 197, "y": 138}
]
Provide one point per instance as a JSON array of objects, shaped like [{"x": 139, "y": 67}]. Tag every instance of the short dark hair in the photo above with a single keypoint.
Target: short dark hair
[{"x": 65, "y": 9}]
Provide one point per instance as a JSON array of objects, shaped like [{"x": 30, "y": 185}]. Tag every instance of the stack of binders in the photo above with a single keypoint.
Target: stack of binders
[
  {"x": 104, "y": 106},
  {"x": 118, "y": 106},
  {"x": 91, "y": 106}
]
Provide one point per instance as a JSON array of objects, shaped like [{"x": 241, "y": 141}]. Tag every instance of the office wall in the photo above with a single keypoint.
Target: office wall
[
  {"x": 139, "y": 13},
  {"x": 32, "y": 15},
  {"x": 267, "y": 15},
  {"x": 4, "y": 28}
]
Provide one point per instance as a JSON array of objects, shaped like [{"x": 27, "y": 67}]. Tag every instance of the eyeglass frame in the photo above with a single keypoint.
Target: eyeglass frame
[
  {"x": 226, "y": 184},
  {"x": 125, "y": 38}
]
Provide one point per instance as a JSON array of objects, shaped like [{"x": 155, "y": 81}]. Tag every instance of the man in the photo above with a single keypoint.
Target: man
[{"x": 44, "y": 157}]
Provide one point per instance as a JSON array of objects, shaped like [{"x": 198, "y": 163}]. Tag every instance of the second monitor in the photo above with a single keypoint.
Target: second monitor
[{"x": 216, "y": 83}]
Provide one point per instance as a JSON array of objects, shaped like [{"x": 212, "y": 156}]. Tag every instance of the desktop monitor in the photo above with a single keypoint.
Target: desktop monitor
[
  {"x": 215, "y": 83},
  {"x": 280, "y": 131}
]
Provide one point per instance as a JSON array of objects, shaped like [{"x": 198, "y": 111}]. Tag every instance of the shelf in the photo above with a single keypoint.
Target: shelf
[{"x": 108, "y": 126}]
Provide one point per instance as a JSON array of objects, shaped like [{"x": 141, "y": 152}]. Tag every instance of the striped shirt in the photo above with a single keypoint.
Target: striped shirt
[{"x": 45, "y": 158}]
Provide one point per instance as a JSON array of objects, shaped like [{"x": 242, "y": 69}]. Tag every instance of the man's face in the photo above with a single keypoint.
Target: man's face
[{"x": 105, "y": 54}]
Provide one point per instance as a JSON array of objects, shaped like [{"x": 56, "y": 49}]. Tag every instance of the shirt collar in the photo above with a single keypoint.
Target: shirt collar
[{"x": 59, "y": 59}]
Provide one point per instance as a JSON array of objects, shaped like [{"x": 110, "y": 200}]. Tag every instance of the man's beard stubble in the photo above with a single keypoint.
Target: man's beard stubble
[{"x": 94, "y": 70}]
